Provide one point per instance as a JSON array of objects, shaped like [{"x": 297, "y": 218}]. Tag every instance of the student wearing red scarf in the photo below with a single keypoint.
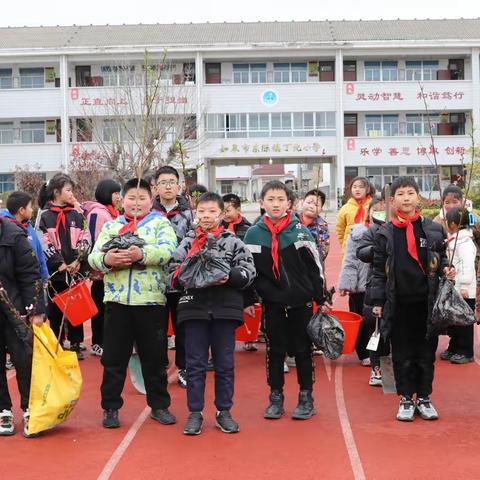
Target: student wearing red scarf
[
  {"x": 103, "y": 210},
  {"x": 211, "y": 313},
  {"x": 289, "y": 277},
  {"x": 409, "y": 258}
]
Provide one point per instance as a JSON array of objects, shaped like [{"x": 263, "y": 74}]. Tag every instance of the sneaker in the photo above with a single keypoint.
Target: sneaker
[
  {"x": 426, "y": 409},
  {"x": 317, "y": 352},
  {"x": 171, "y": 343},
  {"x": 304, "y": 409},
  {"x": 210, "y": 365},
  {"x": 83, "y": 348},
  {"x": 286, "y": 368},
  {"x": 7, "y": 427},
  {"x": 406, "y": 410},
  {"x": 110, "y": 418},
  {"x": 75, "y": 347},
  {"x": 97, "y": 350},
  {"x": 375, "y": 377},
  {"x": 163, "y": 416},
  {"x": 460, "y": 359},
  {"x": 194, "y": 424},
  {"x": 26, "y": 419},
  {"x": 275, "y": 409},
  {"x": 182, "y": 378},
  {"x": 9, "y": 365},
  {"x": 225, "y": 422},
  {"x": 250, "y": 347},
  {"x": 366, "y": 362},
  {"x": 446, "y": 355},
  {"x": 290, "y": 361}
]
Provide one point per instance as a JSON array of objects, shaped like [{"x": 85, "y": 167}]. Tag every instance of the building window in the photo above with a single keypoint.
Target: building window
[
  {"x": 258, "y": 125},
  {"x": 281, "y": 72},
  {"x": 303, "y": 125},
  {"x": 299, "y": 72},
  {"x": 426, "y": 178},
  {"x": 7, "y": 182},
  {"x": 6, "y": 132},
  {"x": 110, "y": 131},
  {"x": 215, "y": 125},
  {"x": 418, "y": 124},
  {"x": 240, "y": 73},
  {"x": 381, "y": 176},
  {"x": 258, "y": 72},
  {"x": 32, "y": 132},
  {"x": 236, "y": 125},
  {"x": 381, "y": 125},
  {"x": 118, "y": 75},
  {"x": 281, "y": 125},
  {"x": 226, "y": 186},
  {"x": 325, "y": 124},
  {"x": 386, "y": 71},
  {"x": 6, "y": 80},
  {"x": 249, "y": 73},
  {"x": 416, "y": 70},
  {"x": 390, "y": 125},
  {"x": 32, "y": 78}
]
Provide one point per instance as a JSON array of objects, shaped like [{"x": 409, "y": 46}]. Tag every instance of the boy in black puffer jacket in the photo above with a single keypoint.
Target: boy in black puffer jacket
[
  {"x": 211, "y": 314},
  {"x": 408, "y": 260}
]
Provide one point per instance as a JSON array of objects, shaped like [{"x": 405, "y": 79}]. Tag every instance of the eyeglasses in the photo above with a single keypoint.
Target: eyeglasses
[{"x": 167, "y": 183}]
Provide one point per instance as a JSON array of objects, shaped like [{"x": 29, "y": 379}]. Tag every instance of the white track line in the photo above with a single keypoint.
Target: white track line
[
  {"x": 125, "y": 443},
  {"x": 328, "y": 367},
  {"x": 352, "y": 450}
]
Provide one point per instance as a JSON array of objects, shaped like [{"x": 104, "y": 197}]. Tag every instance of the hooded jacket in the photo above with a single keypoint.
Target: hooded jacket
[
  {"x": 463, "y": 259},
  {"x": 97, "y": 215},
  {"x": 354, "y": 273},
  {"x": 137, "y": 285},
  {"x": 180, "y": 216},
  {"x": 301, "y": 272},
  {"x": 346, "y": 218},
  {"x": 34, "y": 239}
]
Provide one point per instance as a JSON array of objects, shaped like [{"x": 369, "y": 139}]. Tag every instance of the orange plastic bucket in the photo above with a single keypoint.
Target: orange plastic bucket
[
  {"x": 77, "y": 303},
  {"x": 351, "y": 324},
  {"x": 248, "y": 332}
]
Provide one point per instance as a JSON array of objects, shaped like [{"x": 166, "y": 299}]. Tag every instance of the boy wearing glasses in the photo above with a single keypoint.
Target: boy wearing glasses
[{"x": 177, "y": 210}]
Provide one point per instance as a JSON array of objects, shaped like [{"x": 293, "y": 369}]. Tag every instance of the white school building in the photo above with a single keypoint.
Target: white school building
[{"x": 329, "y": 100}]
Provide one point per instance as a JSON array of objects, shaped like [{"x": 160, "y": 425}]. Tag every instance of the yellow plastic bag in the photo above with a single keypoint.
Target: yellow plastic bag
[{"x": 56, "y": 381}]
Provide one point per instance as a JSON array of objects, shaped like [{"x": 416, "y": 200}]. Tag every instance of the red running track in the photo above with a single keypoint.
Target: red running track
[{"x": 353, "y": 436}]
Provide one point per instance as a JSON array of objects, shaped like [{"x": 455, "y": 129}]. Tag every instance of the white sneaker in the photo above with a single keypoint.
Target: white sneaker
[
  {"x": 406, "y": 410},
  {"x": 375, "y": 377},
  {"x": 7, "y": 426},
  {"x": 285, "y": 367},
  {"x": 290, "y": 361},
  {"x": 426, "y": 409},
  {"x": 366, "y": 362},
  {"x": 26, "y": 419},
  {"x": 97, "y": 350}
]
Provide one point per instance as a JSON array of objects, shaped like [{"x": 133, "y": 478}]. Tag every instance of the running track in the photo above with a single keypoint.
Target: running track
[{"x": 353, "y": 436}]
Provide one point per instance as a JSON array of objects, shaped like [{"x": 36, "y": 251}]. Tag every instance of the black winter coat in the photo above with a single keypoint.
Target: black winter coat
[{"x": 383, "y": 291}]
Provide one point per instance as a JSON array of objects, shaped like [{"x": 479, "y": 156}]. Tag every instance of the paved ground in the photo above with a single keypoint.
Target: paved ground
[{"x": 354, "y": 435}]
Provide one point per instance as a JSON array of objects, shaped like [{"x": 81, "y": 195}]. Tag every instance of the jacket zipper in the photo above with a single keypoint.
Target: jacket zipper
[{"x": 129, "y": 285}]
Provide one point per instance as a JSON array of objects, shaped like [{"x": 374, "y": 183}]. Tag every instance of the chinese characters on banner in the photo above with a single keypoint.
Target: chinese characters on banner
[
  {"x": 272, "y": 148},
  {"x": 121, "y": 101}
]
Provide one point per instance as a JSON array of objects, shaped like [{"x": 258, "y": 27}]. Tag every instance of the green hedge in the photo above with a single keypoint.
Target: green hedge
[{"x": 433, "y": 212}]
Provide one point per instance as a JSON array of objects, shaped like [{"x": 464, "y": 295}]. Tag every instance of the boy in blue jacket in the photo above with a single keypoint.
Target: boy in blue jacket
[{"x": 19, "y": 211}]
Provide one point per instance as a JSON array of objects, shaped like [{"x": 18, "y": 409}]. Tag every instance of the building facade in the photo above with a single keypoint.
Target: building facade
[{"x": 338, "y": 99}]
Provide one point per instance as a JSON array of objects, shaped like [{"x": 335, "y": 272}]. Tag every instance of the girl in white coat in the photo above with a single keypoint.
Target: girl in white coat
[{"x": 461, "y": 252}]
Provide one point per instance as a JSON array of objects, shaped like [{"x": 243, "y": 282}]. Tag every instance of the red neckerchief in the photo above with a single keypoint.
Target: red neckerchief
[
  {"x": 60, "y": 211},
  {"x": 361, "y": 210},
  {"x": 306, "y": 221},
  {"x": 275, "y": 230},
  {"x": 231, "y": 225},
  {"x": 411, "y": 241},
  {"x": 113, "y": 211},
  {"x": 16, "y": 222},
  {"x": 172, "y": 213},
  {"x": 198, "y": 242},
  {"x": 130, "y": 225}
]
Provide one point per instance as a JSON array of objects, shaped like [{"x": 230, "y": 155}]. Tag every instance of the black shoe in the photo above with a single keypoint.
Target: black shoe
[
  {"x": 275, "y": 409},
  {"x": 163, "y": 416},
  {"x": 75, "y": 347},
  {"x": 446, "y": 355},
  {"x": 226, "y": 423},
  {"x": 194, "y": 424},
  {"x": 304, "y": 410},
  {"x": 182, "y": 378},
  {"x": 460, "y": 359},
  {"x": 210, "y": 365},
  {"x": 110, "y": 418}
]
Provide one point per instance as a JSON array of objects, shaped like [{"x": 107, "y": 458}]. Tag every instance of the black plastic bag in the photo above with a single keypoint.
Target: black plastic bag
[
  {"x": 327, "y": 334},
  {"x": 201, "y": 271},
  {"x": 450, "y": 309},
  {"x": 124, "y": 241}
]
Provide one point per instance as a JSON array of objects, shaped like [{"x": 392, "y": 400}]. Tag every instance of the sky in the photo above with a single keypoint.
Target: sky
[{"x": 85, "y": 12}]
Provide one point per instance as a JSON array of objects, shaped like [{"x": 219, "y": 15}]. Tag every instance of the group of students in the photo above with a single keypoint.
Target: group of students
[
  {"x": 391, "y": 272},
  {"x": 199, "y": 262}
]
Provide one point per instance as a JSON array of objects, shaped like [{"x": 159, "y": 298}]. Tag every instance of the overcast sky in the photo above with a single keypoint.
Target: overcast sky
[{"x": 84, "y": 12}]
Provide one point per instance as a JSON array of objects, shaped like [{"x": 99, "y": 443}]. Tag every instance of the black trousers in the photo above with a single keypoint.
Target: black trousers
[
  {"x": 413, "y": 355},
  {"x": 74, "y": 334},
  {"x": 146, "y": 326},
  {"x": 355, "y": 304},
  {"x": 178, "y": 329},
  {"x": 98, "y": 291},
  {"x": 461, "y": 338},
  {"x": 23, "y": 366},
  {"x": 286, "y": 332},
  {"x": 219, "y": 336}
]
